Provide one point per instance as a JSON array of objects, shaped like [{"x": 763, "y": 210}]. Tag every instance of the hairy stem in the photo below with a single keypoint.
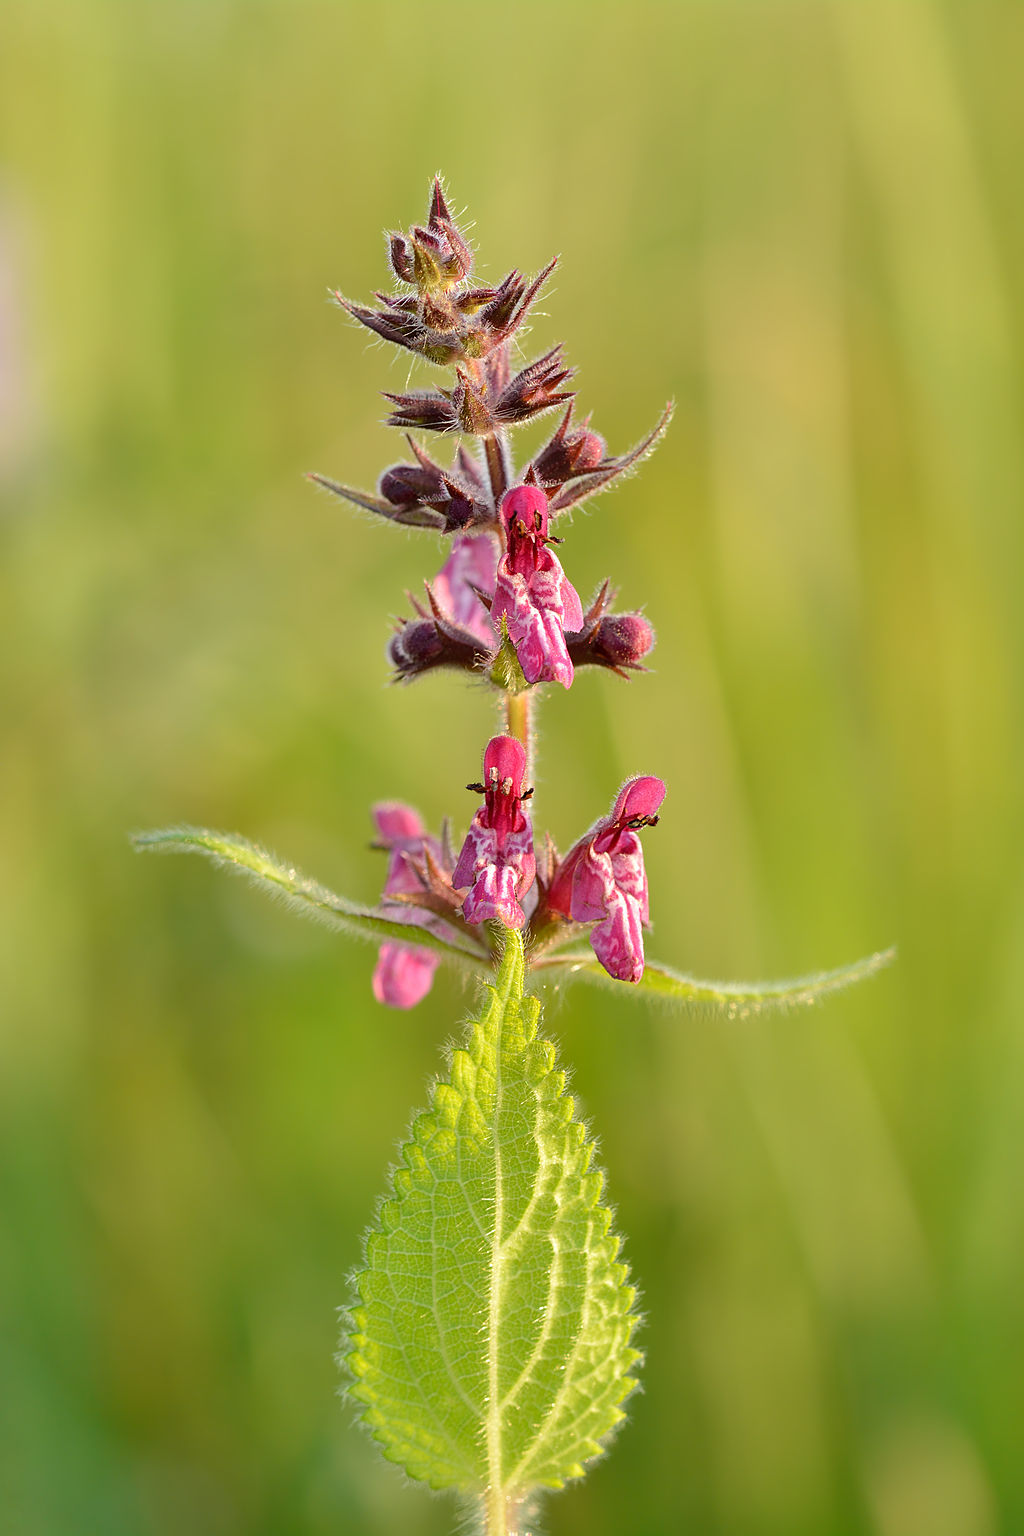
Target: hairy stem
[
  {"x": 502, "y": 1515},
  {"x": 519, "y": 720},
  {"x": 499, "y": 466}
]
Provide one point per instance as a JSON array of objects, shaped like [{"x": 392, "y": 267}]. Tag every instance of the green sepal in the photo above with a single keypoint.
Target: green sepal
[{"x": 506, "y": 672}]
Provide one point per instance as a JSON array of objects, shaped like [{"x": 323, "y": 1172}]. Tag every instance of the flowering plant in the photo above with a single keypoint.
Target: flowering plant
[{"x": 489, "y": 1345}]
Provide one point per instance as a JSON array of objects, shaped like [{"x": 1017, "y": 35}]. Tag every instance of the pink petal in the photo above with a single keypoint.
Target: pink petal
[
  {"x": 396, "y": 822},
  {"x": 618, "y": 941},
  {"x": 473, "y": 562},
  {"x": 640, "y": 796},
  {"x": 403, "y": 975},
  {"x": 506, "y": 756}
]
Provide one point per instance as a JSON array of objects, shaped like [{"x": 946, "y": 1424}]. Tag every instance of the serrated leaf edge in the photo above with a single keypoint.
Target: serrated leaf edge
[{"x": 447, "y": 1099}]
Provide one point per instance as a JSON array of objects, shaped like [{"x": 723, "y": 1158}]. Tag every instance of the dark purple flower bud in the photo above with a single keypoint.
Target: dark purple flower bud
[
  {"x": 404, "y": 485},
  {"x": 532, "y": 593},
  {"x": 569, "y": 453},
  {"x": 499, "y": 313},
  {"x": 619, "y": 641},
  {"x": 435, "y": 332},
  {"x": 602, "y": 879},
  {"x": 471, "y": 401},
  {"x": 417, "y": 646},
  {"x": 412, "y": 515},
  {"x": 622, "y": 640},
  {"x": 405, "y": 972},
  {"x": 400, "y": 252},
  {"x": 430, "y": 409},
  {"x": 497, "y": 861},
  {"x": 435, "y": 340},
  {"x": 426, "y": 643},
  {"x": 453, "y": 251},
  {"x": 454, "y": 498},
  {"x": 534, "y": 389},
  {"x": 423, "y": 495},
  {"x": 465, "y": 408},
  {"x": 588, "y": 482},
  {"x": 457, "y": 631},
  {"x": 434, "y": 257}
]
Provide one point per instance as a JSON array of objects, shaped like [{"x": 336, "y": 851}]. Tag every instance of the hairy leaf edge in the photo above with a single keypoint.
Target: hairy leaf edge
[
  {"x": 286, "y": 883},
  {"x": 347, "y": 1351}
]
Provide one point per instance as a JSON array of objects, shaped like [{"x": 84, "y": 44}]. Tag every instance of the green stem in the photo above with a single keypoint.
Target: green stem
[
  {"x": 502, "y": 1514},
  {"x": 518, "y": 717}
]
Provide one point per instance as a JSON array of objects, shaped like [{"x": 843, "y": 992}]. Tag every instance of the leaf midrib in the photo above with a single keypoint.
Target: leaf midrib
[{"x": 496, "y": 1268}]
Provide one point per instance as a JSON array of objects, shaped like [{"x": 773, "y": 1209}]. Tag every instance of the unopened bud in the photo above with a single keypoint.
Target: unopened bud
[
  {"x": 569, "y": 453},
  {"x": 534, "y": 389},
  {"x": 470, "y": 403},
  {"x": 415, "y": 648},
  {"x": 400, "y": 253},
  {"x": 407, "y": 483},
  {"x": 623, "y": 639},
  {"x": 432, "y": 257},
  {"x": 619, "y": 641},
  {"x": 429, "y": 410},
  {"x": 454, "y": 498},
  {"x": 424, "y": 644}
]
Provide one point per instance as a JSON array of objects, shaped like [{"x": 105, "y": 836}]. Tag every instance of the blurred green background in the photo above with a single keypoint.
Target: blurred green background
[{"x": 803, "y": 221}]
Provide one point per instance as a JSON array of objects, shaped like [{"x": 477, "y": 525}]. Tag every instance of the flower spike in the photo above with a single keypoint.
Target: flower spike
[{"x": 489, "y": 1339}]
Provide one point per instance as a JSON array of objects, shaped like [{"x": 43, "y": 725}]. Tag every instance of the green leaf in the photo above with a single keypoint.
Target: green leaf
[
  {"x": 307, "y": 896},
  {"x": 736, "y": 999},
  {"x": 490, "y": 1347}
]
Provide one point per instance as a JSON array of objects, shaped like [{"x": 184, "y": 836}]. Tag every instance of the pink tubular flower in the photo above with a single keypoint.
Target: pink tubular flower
[
  {"x": 602, "y": 879},
  {"x": 404, "y": 972},
  {"x": 533, "y": 594},
  {"x": 497, "y": 860},
  {"x": 472, "y": 564}
]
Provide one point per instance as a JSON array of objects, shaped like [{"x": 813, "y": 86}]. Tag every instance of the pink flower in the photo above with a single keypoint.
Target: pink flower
[
  {"x": 602, "y": 879},
  {"x": 404, "y": 972},
  {"x": 472, "y": 563},
  {"x": 497, "y": 861},
  {"x": 403, "y": 975},
  {"x": 532, "y": 593}
]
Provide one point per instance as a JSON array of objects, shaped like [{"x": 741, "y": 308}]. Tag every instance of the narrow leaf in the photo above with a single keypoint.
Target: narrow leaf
[
  {"x": 735, "y": 999},
  {"x": 490, "y": 1346},
  {"x": 415, "y": 517},
  {"x": 307, "y": 896}
]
